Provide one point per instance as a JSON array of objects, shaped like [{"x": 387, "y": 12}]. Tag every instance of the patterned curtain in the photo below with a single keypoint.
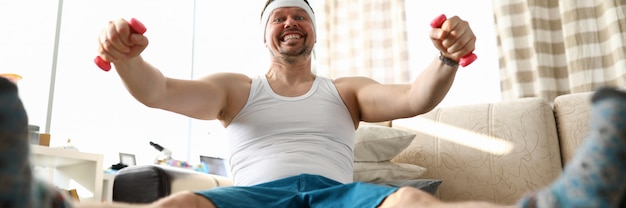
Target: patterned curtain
[
  {"x": 553, "y": 47},
  {"x": 363, "y": 38}
]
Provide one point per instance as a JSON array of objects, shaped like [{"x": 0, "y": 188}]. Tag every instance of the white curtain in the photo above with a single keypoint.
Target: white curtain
[{"x": 364, "y": 38}]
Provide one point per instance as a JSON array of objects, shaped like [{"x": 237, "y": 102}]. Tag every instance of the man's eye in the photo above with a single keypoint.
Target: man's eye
[
  {"x": 278, "y": 20},
  {"x": 300, "y": 18}
]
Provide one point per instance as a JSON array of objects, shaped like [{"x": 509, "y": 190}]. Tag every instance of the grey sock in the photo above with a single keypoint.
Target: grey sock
[
  {"x": 595, "y": 177},
  {"x": 18, "y": 188},
  {"x": 15, "y": 171}
]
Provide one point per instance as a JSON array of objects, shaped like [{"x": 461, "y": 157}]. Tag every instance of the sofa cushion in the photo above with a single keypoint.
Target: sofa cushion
[
  {"x": 377, "y": 172},
  {"x": 374, "y": 147},
  {"x": 572, "y": 112},
  {"x": 374, "y": 143}
]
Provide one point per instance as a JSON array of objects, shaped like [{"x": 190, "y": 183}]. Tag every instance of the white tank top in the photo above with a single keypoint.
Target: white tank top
[{"x": 274, "y": 137}]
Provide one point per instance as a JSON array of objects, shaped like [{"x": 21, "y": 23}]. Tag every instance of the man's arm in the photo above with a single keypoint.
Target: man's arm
[
  {"x": 378, "y": 102},
  {"x": 204, "y": 98}
]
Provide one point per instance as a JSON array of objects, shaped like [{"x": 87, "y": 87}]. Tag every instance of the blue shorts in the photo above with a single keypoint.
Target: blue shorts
[{"x": 300, "y": 191}]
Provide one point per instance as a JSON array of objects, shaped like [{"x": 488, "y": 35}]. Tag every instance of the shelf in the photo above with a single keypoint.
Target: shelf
[
  {"x": 58, "y": 157},
  {"x": 70, "y": 169},
  {"x": 107, "y": 187}
]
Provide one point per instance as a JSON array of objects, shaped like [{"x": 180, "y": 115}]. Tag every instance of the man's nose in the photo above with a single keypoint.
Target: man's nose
[{"x": 290, "y": 22}]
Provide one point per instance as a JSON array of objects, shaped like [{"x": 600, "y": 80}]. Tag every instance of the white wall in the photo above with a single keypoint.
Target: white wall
[{"x": 92, "y": 107}]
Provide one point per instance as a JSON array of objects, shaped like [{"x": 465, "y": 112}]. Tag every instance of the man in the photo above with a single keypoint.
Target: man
[{"x": 290, "y": 131}]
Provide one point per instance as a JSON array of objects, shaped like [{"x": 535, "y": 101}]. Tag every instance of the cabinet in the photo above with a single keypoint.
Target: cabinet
[{"x": 70, "y": 169}]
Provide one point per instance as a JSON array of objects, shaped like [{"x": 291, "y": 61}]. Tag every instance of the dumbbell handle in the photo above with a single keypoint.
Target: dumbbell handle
[
  {"x": 136, "y": 27},
  {"x": 465, "y": 60}
]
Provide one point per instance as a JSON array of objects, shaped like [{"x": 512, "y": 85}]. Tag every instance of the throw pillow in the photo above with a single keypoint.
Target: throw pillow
[
  {"x": 376, "y": 172},
  {"x": 375, "y": 143}
]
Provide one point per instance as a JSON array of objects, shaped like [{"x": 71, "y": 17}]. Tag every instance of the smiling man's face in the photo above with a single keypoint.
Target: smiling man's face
[{"x": 289, "y": 31}]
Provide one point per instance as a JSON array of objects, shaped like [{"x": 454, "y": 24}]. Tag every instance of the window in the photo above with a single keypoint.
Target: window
[
  {"x": 477, "y": 83},
  {"x": 26, "y": 48}
]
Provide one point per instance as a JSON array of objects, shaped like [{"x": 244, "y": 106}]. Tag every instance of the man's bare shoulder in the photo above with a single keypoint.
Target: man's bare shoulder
[
  {"x": 348, "y": 88},
  {"x": 353, "y": 82},
  {"x": 236, "y": 87},
  {"x": 227, "y": 77}
]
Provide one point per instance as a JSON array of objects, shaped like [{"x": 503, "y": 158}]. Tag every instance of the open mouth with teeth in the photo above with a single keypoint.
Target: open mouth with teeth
[{"x": 292, "y": 36}]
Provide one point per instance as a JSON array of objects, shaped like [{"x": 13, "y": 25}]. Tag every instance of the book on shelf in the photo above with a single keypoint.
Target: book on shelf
[{"x": 72, "y": 193}]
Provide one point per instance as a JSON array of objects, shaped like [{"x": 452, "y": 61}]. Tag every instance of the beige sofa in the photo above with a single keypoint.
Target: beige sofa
[{"x": 543, "y": 134}]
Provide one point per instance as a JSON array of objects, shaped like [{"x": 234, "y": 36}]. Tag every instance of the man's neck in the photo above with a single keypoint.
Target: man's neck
[
  {"x": 290, "y": 72},
  {"x": 290, "y": 80}
]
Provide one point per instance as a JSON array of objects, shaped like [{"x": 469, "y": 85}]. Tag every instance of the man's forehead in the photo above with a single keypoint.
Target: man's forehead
[
  {"x": 287, "y": 10},
  {"x": 282, "y": 7}
]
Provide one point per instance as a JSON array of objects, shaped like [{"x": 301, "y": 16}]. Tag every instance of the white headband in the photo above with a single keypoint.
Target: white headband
[{"x": 285, "y": 3}]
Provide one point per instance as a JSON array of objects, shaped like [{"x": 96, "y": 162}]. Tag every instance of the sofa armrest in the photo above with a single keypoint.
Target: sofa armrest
[{"x": 148, "y": 183}]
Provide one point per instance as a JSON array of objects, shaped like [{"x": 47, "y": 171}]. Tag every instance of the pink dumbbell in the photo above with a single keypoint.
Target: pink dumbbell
[
  {"x": 136, "y": 27},
  {"x": 465, "y": 60}
]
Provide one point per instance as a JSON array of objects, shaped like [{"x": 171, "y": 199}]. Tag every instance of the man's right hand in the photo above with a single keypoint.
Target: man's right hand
[{"x": 117, "y": 42}]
